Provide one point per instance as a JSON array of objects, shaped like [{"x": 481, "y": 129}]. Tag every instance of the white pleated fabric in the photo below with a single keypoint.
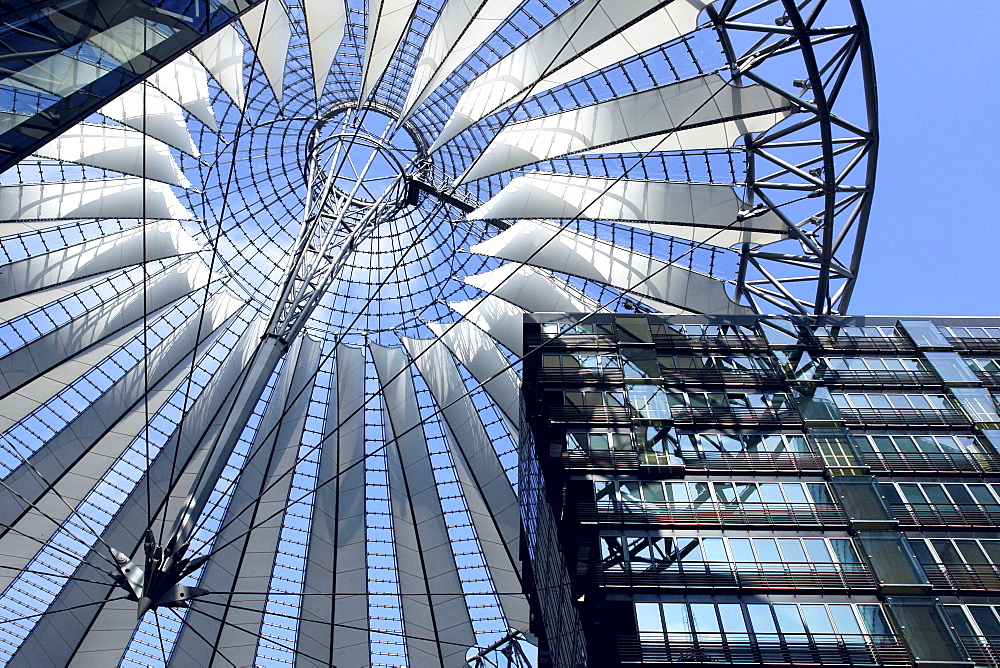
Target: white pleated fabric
[
  {"x": 325, "y": 22},
  {"x": 700, "y": 113},
  {"x": 549, "y": 246},
  {"x": 269, "y": 30},
  {"x": 589, "y": 36},
  {"x": 387, "y": 23},
  {"x": 117, "y": 149},
  {"x": 126, "y": 197},
  {"x": 462, "y": 26},
  {"x": 679, "y": 209},
  {"x": 148, "y": 110},
  {"x": 222, "y": 55}
]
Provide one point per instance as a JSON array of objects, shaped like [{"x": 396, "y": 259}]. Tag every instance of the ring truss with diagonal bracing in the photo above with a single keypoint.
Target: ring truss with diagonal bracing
[{"x": 262, "y": 309}]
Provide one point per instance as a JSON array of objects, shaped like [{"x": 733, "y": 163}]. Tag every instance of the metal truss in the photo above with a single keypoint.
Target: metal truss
[{"x": 818, "y": 173}]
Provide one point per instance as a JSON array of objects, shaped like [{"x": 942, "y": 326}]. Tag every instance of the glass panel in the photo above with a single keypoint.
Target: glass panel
[
  {"x": 788, "y": 618},
  {"x": 817, "y": 550},
  {"x": 986, "y": 619},
  {"x": 950, "y": 367},
  {"x": 649, "y": 401},
  {"x": 924, "y": 334},
  {"x": 647, "y": 617},
  {"x": 947, "y": 552},
  {"x": 633, "y": 330},
  {"x": 770, "y": 492},
  {"x": 742, "y": 553},
  {"x": 639, "y": 363},
  {"x": 766, "y": 549},
  {"x": 678, "y": 625},
  {"x": 972, "y": 552},
  {"x": 874, "y": 620},
  {"x": 977, "y": 403},
  {"x": 791, "y": 550},
  {"x": 704, "y": 618},
  {"x": 992, "y": 548},
  {"x": 819, "y": 492},
  {"x": 676, "y": 492},
  {"x": 761, "y": 618},
  {"x": 817, "y": 620},
  {"x": 843, "y": 550},
  {"x": 733, "y": 623},
  {"x": 653, "y": 492},
  {"x": 956, "y": 615},
  {"x": 576, "y": 440},
  {"x": 714, "y": 549},
  {"x": 845, "y": 619},
  {"x": 747, "y": 492},
  {"x": 724, "y": 492},
  {"x": 699, "y": 492}
]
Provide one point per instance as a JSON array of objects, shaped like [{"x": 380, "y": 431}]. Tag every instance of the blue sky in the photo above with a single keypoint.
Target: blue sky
[{"x": 933, "y": 246}]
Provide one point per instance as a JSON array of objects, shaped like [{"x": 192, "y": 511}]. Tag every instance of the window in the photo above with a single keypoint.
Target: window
[
  {"x": 895, "y": 400},
  {"x": 578, "y": 329},
  {"x": 973, "y": 332},
  {"x": 681, "y": 623},
  {"x": 707, "y": 400},
  {"x": 592, "y": 363},
  {"x": 857, "y": 332},
  {"x": 726, "y": 442},
  {"x": 984, "y": 364},
  {"x": 937, "y": 494},
  {"x": 873, "y": 364},
  {"x": 937, "y": 444},
  {"x": 648, "y": 402},
  {"x": 975, "y": 624},
  {"x": 584, "y": 441},
  {"x": 957, "y": 551},
  {"x": 695, "y": 492},
  {"x": 644, "y": 553},
  {"x": 585, "y": 398}
]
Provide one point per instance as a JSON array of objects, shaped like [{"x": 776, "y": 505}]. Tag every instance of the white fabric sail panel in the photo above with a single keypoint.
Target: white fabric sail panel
[
  {"x": 435, "y": 615},
  {"x": 25, "y": 303},
  {"x": 9, "y": 228},
  {"x": 118, "y": 149},
  {"x": 246, "y": 545},
  {"x": 563, "y": 249},
  {"x": 70, "y": 639},
  {"x": 587, "y": 37},
  {"x": 480, "y": 355},
  {"x": 460, "y": 29},
  {"x": 80, "y": 454},
  {"x": 148, "y": 110},
  {"x": 222, "y": 55},
  {"x": 659, "y": 206},
  {"x": 19, "y": 404},
  {"x": 325, "y": 23},
  {"x": 387, "y": 23},
  {"x": 132, "y": 246},
  {"x": 185, "y": 81},
  {"x": 269, "y": 31},
  {"x": 492, "y": 502},
  {"x": 500, "y": 319},
  {"x": 126, "y": 197},
  {"x": 336, "y": 575},
  {"x": 534, "y": 290},
  {"x": 700, "y": 113},
  {"x": 44, "y": 353}
]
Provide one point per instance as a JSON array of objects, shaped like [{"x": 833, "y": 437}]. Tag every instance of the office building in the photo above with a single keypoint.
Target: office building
[{"x": 764, "y": 490}]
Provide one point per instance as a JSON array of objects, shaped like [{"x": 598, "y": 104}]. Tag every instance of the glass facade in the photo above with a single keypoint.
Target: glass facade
[{"x": 770, "y": 491}]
